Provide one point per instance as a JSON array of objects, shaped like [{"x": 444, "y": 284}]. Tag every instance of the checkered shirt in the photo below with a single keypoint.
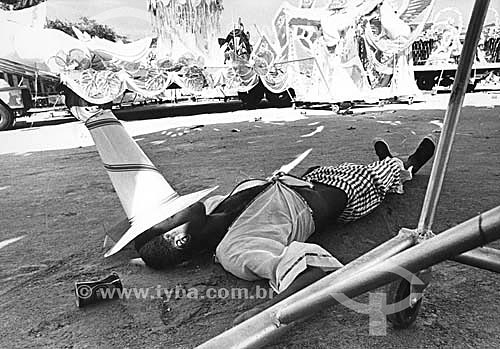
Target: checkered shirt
[{"x": 365, "y": 185}]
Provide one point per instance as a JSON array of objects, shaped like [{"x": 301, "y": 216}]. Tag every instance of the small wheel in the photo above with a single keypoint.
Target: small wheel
[
  {"x": 7, "y": 118},
  {"x": 425, "y": 83},
  {"x": 399, "y": 291},
  {"x": 471, "y": 86},
  {"x": 410, "y": 101},
  {"x": 335, "y": 108},
  {"x": 346, "y": 105}
]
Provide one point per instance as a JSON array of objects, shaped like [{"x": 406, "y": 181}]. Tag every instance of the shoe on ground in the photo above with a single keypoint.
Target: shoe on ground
[
  {"x": 422, "y": 154},
  {"x": 381, "y": 149}
]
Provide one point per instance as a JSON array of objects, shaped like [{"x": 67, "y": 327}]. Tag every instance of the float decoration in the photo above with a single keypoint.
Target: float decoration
[
  {"x": 186, "y": 26},
  {"x": 246, "y": 66},
  {"x": 364, "y": 44}
]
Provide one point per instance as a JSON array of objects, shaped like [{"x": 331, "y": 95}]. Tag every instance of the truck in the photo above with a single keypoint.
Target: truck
[
  {"x": 433, "y": 77},
  {"x": 24, "y": 90}
]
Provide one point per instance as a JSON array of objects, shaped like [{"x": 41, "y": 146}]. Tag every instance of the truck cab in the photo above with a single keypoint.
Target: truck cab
[{"x": 14, "y": 102}]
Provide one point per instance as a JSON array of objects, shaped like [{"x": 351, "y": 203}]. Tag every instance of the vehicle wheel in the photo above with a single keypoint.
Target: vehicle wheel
[
  {"x": 425, "y": 83},
  {"x": 6, "y": 118},
  {"x": 335, "y": 108},
  {"x": 252, "y": 98},
  {"x": 282, "y": 99},
  {"x": 471, "y": 87},
  {"x": 399, "y": 291},
  {"x": 346, "y": 105}
]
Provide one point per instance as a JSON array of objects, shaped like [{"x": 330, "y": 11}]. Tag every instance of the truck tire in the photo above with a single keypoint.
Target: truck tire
[
  {"x": 471, "y": 87},
  {"x": 252, "y": 98},
  {"x": 425, "y": 82},
  {"x": 6, "y": 118},
  {"x": 280, "y": 99}
]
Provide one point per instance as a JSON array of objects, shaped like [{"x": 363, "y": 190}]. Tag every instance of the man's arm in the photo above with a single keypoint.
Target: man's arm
[{"x": 219, "y": 221}]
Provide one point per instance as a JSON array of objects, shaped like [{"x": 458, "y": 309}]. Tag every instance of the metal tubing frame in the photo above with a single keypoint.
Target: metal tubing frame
[
  {"x": 486, "y": 259},
  {"x": 260, "y": 329},
  {"x": 452, "y": 115}
]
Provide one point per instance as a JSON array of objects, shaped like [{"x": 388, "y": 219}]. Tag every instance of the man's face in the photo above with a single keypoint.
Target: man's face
[{"x": 179, "y": 237}]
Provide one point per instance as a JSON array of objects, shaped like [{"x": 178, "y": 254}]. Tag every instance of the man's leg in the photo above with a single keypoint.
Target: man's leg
[
  {"x": 410, "y": 167},
  {"x": 390, "y": 174},
  {"x": 420, "y": 156}
]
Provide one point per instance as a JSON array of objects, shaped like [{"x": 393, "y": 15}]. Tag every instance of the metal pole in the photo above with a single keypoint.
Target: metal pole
[
  {"x": 404, "y": 240},
  {"x": 435, "y": 90},
  {"x": 483, "y": 257},
  {"x": 452, "y": 115},
  {"x": 297, "y": 60},
  {"x": 36, "y": 88},
  {"x": 323, "y": 77},
  {"x": 258, "y": 330}
]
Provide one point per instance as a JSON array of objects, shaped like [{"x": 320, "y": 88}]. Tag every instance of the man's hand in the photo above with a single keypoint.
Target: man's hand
[{"x": 85, "y": 113}]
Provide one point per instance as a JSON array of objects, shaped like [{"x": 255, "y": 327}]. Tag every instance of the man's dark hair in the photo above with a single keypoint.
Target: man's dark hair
[
  {"x": 159, "y": 250},
  {"x": 160, "y": 253}
]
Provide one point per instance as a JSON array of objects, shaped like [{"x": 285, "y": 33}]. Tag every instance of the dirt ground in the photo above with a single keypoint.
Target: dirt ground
[{"x": 63, "y": 201}]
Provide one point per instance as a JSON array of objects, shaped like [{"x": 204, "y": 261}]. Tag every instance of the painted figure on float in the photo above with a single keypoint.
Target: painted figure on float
[{"x": 364, "y": 44}]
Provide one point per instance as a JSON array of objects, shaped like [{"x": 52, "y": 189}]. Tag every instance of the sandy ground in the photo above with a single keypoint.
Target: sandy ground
[{"x": 60, "y": 202}]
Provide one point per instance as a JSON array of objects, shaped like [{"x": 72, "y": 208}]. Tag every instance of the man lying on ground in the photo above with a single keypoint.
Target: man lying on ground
[{"x": 260, "y": 229}]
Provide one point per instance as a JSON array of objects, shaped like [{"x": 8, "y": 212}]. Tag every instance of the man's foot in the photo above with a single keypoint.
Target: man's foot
[
  {"x": 422, "y": 154},
  {"x": 381, "y": 149}
]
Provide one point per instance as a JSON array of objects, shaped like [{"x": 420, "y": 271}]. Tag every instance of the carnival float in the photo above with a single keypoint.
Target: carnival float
[
  {"x": 321, "y": 51},
  {"x": 102, "y": 71},
  {"x": 365, "y": 45}
]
